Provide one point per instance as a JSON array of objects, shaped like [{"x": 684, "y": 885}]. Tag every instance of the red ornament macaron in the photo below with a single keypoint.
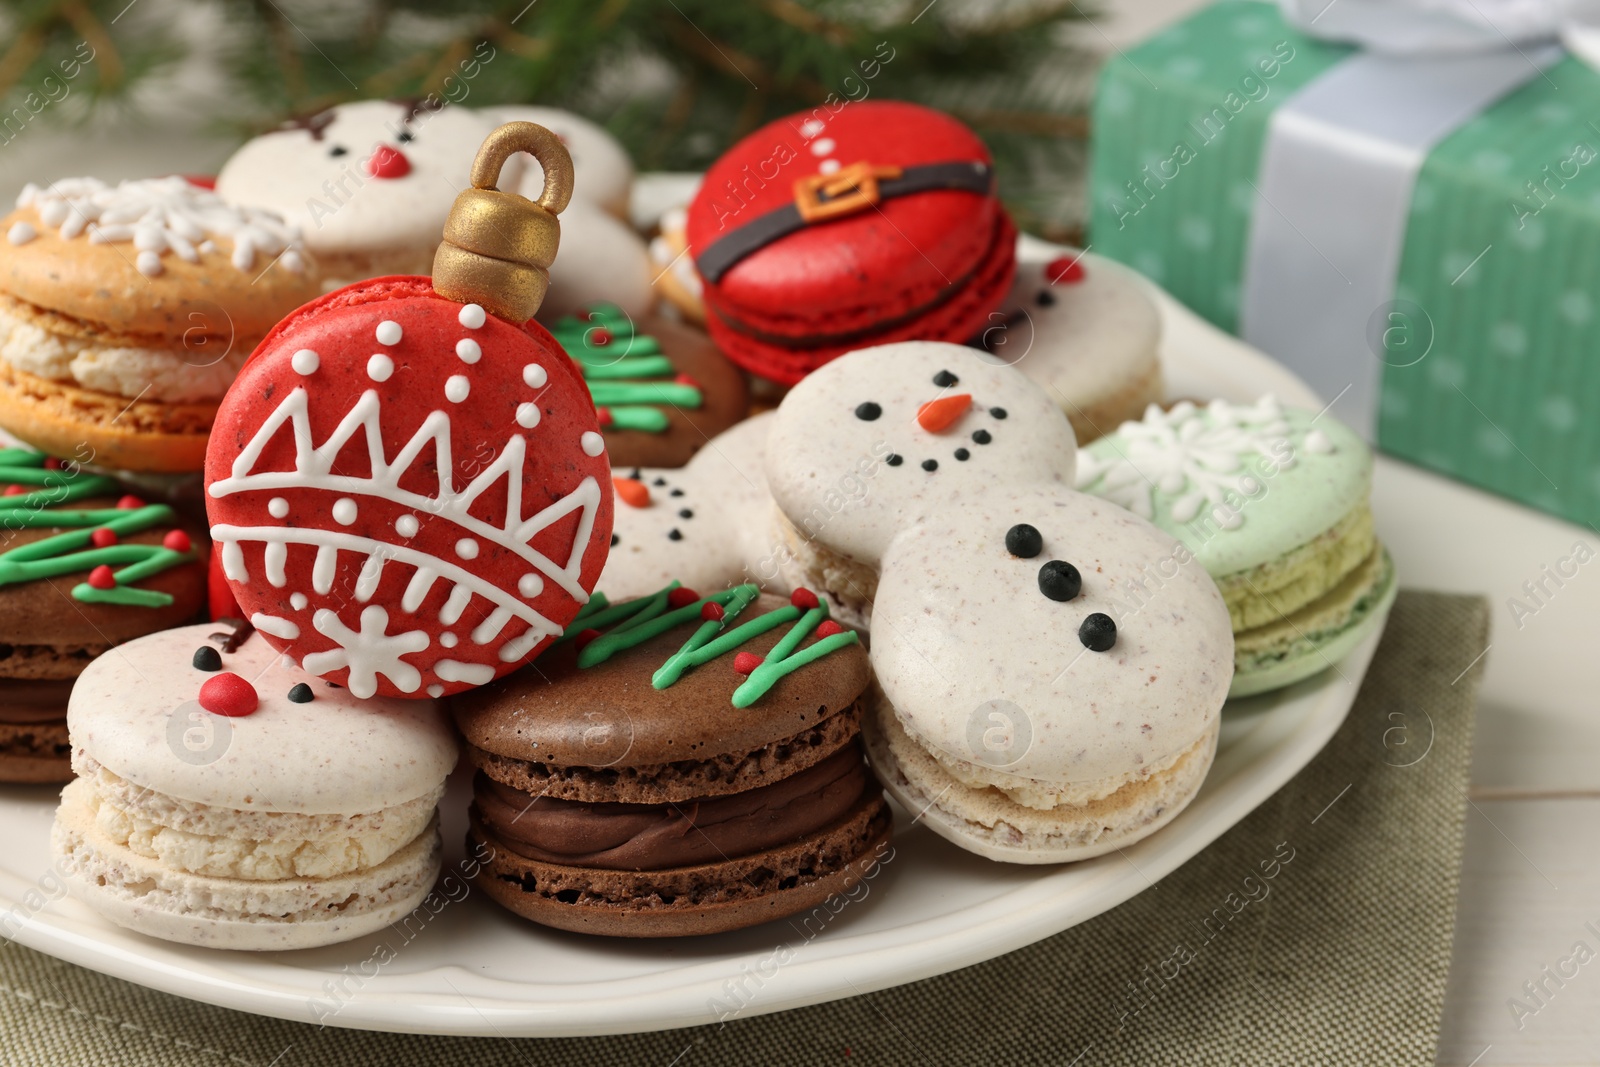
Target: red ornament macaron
[
  {"x": 407, "y": 490},
  {"x": 830, "y": 231}
]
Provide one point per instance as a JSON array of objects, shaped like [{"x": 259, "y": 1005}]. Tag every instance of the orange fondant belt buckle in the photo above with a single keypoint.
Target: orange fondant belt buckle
[{"x": 844, "y": 192}]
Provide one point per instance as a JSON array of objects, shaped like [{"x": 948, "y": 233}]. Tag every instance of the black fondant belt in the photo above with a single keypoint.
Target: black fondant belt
[{"x": 827, "y": 196}]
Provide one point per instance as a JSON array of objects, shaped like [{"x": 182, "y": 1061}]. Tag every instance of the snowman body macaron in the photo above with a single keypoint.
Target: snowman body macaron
[{"x": 368, "y": 183}]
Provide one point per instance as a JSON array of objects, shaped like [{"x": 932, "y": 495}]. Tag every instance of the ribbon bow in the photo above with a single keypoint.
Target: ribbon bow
[{"x": 1452, "y": 27}]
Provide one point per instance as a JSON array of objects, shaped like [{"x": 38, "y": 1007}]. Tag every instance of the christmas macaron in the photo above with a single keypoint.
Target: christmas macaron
[
  {"x": 1052, "y": 674},
  {"x": 408, "y": 493},
  {"x": 84, "y": 566},
  {"x": 662, "y": 390},
  {"x": 369, "y": 183},
  {"x": 127, "y": 310},
  {"x": 1087, "y": 330},
  {"x": 707, "y": 524},
  {"x": 821, "y": 233},
  {"x": 884, "y": 437},
  {"x": 679, "y": 764},
  {"x": 1273, "y": 502},
  {"x": 230, "y": 800}
]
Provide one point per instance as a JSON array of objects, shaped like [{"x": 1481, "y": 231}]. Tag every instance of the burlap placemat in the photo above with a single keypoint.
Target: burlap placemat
[{"x": 1316, "y": 931}]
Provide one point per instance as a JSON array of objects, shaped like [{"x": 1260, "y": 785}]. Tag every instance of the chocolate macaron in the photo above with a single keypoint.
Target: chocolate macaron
[
  {"x": 677, "y": 765},
  {"x": 83, "y": 566}
]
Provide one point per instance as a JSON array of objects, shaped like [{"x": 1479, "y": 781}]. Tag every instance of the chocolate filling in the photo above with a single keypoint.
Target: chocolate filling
[
  {"x": 650, "y": 837},
  {"x": 25, "y": 702}
]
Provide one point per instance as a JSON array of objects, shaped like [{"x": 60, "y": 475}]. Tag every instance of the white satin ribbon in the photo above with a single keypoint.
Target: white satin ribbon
[
  {"x": 1451, "y": 27},
  {"x": 1333, "y": 194}
]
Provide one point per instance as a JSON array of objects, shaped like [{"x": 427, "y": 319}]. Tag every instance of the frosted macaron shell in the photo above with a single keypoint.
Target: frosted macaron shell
[
  {"x": 962, "y": 629},
  {"x": 131, "y": 710},
  {"x": 1240, "y": 484},
  {"x": 847, "y": 444}
]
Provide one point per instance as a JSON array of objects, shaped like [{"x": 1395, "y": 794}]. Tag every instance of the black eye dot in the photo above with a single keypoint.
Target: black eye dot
[
  {"x": 1024, "y": 541},
  {"x": 1098, "y": 633},
  {"x": 998, "y": 413},
  {"x": 635, "y": 475},
  {"x": 1045, "y": 298},
  {"x": 301, "y": 694},
  {"x": 406, "y": 137},
  {"x": 962, "y": 454},
  {"x": 676, "y": 492},
  {"x": 981, "y": 437},
  {"x": 893, "y": 460},
  {"x": 1059, "y": 580},
  {"x": 944, "y": 379},
  {"x": 338, "y": 150},
  {"x": 868, "y": 411},
  {"x": 614, "y": 540},
  {"x": 685, "y": 513},
  {"x": 674, "y": 534},
  {"x": 207, "y": 659},
  {"x": 659, "y": 481},
  {"x": 930, "y": 464}
]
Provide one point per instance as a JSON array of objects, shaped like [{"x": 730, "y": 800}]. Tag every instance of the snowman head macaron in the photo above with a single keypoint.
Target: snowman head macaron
[{"x": 927, "y": 425}]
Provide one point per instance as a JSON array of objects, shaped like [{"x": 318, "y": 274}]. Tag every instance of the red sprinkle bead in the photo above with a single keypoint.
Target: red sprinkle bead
[
  {"x": 177, "y": 541},
  {"x": 605, "y": 417},
  {"x": 803, "y": 598},
  {"x": 14, "y": 490},
  {"x": 51, "y": 463},
  {"x": 103, "y": 538},
  {"x": 1063, "y": 270},
  {"x": 684, "y": 379},
  {"x": 228, "y": 694},
  {"x": 102, "y": 578},
  {"x": 681, "y": 597},
  {"x": 584, "y": 637},
  {"x": 129, "y": 502},
  {"x": 600, "y": 337},
  {"x": 828, "y": 628},
  {"x": 711, "y": 611},
  {"x": 745, "y": 662}
]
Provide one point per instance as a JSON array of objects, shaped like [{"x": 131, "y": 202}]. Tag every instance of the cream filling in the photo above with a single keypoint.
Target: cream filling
[{"x": 199, "y": 374}]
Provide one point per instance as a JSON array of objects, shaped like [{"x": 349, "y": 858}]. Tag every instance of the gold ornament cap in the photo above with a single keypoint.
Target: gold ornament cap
[{"x": 498, "y": 246}]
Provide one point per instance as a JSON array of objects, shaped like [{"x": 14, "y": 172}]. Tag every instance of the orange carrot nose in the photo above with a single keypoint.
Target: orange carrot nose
[
  {"x": 939, "y": 415},
  {"x": 632, "y": 492}
]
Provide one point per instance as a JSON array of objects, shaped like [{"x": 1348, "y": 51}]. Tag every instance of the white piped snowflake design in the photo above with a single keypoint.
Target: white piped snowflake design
[
  {"x": 161, "y": 215},
  {"x": 368, "y": 652},
  {"x": 1193, "y": 456}
]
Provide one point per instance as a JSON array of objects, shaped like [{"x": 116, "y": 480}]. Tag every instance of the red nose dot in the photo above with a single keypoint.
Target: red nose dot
[
  {"x": 387, "y": 162},
  {"x": 103, "y": 538},
  {"x": 682, "y": 597},
  {"x": 228, "y": 694},
  {"x": 177, "y": 541},
  {"x": 102, "y": 578},
  {"x": 745, "y": 662},
  {"x": 128, "y": 503},
  {"x": 1063, "y": 270}
]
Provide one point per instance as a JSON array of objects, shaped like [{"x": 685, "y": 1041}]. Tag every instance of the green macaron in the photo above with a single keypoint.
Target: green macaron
[{"x": 1273, "y": 502}]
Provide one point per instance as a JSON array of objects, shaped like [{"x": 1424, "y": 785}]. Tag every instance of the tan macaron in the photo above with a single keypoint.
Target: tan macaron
[{"x": 126, "y": 311}]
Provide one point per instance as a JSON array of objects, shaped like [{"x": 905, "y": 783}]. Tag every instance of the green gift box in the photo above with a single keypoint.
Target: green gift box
[{"x": 1418, "y": 239}]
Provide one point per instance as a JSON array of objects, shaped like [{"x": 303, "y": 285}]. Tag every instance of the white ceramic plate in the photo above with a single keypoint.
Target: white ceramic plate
[{"x": 473, "y": 969}]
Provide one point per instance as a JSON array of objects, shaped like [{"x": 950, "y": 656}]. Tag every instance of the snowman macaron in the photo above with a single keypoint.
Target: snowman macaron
[
  {"x": 368, "y": 183},
  {"x": 1051, "y": 668},
  {"x": 707, "y": 525},
  {"x": 884, "y": 437}
]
